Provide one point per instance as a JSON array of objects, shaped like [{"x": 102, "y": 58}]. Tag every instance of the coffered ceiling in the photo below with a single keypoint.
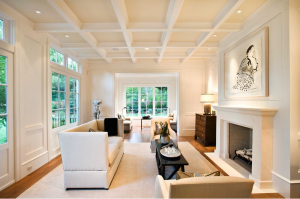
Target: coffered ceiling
[{"x": 138, "y": 30}]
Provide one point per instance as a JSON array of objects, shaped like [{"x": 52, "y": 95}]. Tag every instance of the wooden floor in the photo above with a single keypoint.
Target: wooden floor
[{"x": 134, "y": 136}]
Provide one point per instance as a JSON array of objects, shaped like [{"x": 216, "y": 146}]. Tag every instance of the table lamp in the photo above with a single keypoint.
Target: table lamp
[{"x": 207, "y": 99}]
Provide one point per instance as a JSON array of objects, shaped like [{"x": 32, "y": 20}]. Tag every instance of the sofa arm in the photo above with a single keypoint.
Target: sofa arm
[
  {"x": 84, "y": 151},
  {"x": 121, "y": 128},
  {"x": 161, "y": 190}
]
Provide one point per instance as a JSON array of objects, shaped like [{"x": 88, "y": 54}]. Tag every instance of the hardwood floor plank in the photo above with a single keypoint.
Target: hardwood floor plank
[{"x": 134, "y": 136}]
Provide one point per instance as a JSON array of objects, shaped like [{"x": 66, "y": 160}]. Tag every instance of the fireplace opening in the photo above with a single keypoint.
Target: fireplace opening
[{"x": 240, "y": 145}]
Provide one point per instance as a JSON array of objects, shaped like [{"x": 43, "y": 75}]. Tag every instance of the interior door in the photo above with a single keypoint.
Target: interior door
[{"x": 6, "y": 119}]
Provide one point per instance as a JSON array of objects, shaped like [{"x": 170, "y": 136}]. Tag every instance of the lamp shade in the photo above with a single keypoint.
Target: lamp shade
[{"x": 207, "y": 98}]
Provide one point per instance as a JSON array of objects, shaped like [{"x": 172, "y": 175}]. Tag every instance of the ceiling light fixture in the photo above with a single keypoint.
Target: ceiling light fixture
[
  {"x": 38, "y": 11},
  {"x": 67, "y": 35},
  {"x": 239, "y": 11},
  {"x": 116, "y": 49},
  {"x": 214, "y": 35},
  {"x": 147, "y": 48}
]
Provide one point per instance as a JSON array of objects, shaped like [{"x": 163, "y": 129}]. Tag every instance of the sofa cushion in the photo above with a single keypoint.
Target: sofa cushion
[{"x": 114, "y": 143}]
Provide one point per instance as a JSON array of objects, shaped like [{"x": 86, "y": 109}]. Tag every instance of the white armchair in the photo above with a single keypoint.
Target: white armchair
[
  {"x": 173, "y": 122},
  {"x": 153, "y": 137},
  {"x": 90, "y": 159},
  {"x": 204, "y": 187}
]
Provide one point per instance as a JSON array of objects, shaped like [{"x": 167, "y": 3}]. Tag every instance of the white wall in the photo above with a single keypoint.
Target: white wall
[
  {"x": 103, "y": 86},
  {"x": 283, "y": 92}
]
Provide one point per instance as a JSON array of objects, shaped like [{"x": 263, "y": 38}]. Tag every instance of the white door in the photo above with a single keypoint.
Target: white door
[{"x": 6, "y": 119}]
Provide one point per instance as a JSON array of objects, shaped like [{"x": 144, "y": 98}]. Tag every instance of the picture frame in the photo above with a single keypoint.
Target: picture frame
[{"x": 246, "y": 67}]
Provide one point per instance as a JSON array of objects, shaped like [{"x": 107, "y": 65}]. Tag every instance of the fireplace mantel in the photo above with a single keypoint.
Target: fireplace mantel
[
  {"x": 260, "y": 120},
  {"x": 247, "y": 110}
]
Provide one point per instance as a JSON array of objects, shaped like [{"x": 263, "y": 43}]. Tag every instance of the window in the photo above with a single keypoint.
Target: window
[
  {"x": 140, "y": 101},
  {"x": 132, "y": 101},
  {"x": 74, "y": 100},
  {"x": 146, "y": 101},
  {"x": 3, "y": 100},
  {"x": 161, "y": 101},
  {"x": 1, "y": 29},
  {"x": 58, "y": 100},
  {"x": 73, "y": 65},
  {"x": 56, "y": 57}
]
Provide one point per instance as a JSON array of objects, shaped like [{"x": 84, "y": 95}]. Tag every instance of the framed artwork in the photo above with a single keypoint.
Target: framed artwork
[{"x": 246, "y": 67}]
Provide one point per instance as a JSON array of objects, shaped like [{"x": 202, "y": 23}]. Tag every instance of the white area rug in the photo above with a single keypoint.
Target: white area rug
[{"x": 135, "y": 177}]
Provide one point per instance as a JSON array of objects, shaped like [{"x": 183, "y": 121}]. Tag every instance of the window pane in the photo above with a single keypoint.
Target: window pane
[
  {"x": 2, "y": 99},
  {"x": 54, "y": 81},
  {"x": 72, "y": 100},
  {"x": 135, "y": 105},
  {"x": 146, "y": 90},
  {"x": 157, "y": 90},
  {"x": 55, "y": 104},
  {"x": 60, "y": 58},
  {"x": 3, "y": 129},
  {"x": 1, "y": 31},
  {"x": 129, "y": 105},
  {"x": 157, "y": 105},
  {"x": 70, "y": 63},
  {"x": 135, "y": 98},
  {"x": 72, "y": 85},
  {"x": 2, "y": 70},
  {"x": 76, "y": 85},
  {"x": 62, "y": 83},
  {"x": 158, "y": 111},
  {"x": 62, "y": 100},
  {"x": 157, "y": 97},
  {"x": 149, "y": 105},
  {"x": 128, "y": 112},
  {"x": 72, "y": 116},
  {"x": 143, "y": 105},
  {"x": 143, "y": 111},
  {"x": 76, "y": 100},
  {"x": 164, "y": 90},
  {"x": 128, "y": 90},
  {"x": 143, "y": 98},
  {"x": 53, "y": 55},
  {"x": 55, "y": 119},
  {"x": 135, "y": 112},
  {"x": 164, "y": 98},
  {"x": 128, "y": 98},
  {"x": 75, "y": 66},
  {"x": 135, "y": 90},
  {"x": 62, "y": 117},
  {"x": 164, "y": 112},
  {"x": 164, "y": 105}
]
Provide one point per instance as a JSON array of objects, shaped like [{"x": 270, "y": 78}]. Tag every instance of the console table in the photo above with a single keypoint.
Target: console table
[
  {"x": 144, "y": 119},
  {"x": 206, "y": 129}
]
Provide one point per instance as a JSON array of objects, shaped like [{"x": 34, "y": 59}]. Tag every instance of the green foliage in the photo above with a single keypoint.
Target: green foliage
[
  {"x": 3, "y": 103},
  {"x": 73, "y": 65},
  {"x": 3, "y": 130},
  {"x": 56, "y": 57},
  {"x": 1, "y": 29}
]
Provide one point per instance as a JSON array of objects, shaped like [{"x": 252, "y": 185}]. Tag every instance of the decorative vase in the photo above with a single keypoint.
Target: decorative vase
[{"x": 165, "y": 140}]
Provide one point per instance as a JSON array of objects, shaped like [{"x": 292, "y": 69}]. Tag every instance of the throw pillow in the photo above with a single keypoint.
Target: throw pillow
[
  {"x": 157, "y": 128},
  {"x": 181, "y": 175}
]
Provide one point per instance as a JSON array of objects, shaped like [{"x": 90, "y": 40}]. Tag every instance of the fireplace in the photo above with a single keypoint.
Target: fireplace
[
  {"x": 260, "y": 121},
  {"x": 240, "y": 145}
]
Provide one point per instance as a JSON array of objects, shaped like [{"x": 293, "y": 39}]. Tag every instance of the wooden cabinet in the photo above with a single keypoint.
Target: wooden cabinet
[{"x": 206, "y": 129}]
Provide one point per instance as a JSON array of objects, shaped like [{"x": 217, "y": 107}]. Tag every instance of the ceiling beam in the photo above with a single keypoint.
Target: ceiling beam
[
  {"x": 134, "y": 27},
  {"x": 230, "y": 7},
  {"x": 121, "y": 14},
  {"x": 76, "y": 46},
  {"x": 62, "y": 8},
  {"x": 172, "y": 15}
]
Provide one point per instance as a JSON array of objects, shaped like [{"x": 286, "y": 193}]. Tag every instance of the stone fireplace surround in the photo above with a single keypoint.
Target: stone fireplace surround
[{"x": 260, "y": 120}]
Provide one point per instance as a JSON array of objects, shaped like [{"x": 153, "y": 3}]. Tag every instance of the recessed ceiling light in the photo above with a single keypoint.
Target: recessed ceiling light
[
  {"x": 38, "y": 11},
  {"x": 214, "y": 35},
  {"x": 147, "y": 48},
  {"x": 116, "y": 49},
  {"x": 67, "y": 35},
  {"x": 239, "y": 11}
]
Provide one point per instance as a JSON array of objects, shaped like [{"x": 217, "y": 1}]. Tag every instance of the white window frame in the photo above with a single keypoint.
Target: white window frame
[
  {"x": 139, "y": 97},
  {"x": 78, "y": 113},
  {"x": 7, "y": 29}
]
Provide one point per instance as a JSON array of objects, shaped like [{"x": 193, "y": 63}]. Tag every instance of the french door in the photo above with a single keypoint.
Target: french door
[{"x": 6, "y": 119}]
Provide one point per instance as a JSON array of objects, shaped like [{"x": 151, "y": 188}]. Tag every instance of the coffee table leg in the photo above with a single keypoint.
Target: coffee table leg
[
  {"x": 163, "y": 171},
  {"x": 182, "y": 168}
]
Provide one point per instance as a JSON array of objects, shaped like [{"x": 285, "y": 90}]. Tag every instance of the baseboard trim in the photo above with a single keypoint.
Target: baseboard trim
[
  {"x": 7, "y": 185},
  {"x": 261, "y": 184}
]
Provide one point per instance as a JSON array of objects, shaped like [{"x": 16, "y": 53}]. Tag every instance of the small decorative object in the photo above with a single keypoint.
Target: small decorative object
[
  {"x": 246, "y": 67},
  {"x": 97, "y": 110},
  {"x": 207, "y": 99},
  {"x": 170, "y": 152},
  {"x": 213, "y": 112},
  {"x": 164, "y": 135},
  {"x": 146, "y": 117}
]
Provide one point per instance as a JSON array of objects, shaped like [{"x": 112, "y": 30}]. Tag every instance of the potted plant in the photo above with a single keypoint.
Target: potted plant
[{"x": 165, "y": 135}]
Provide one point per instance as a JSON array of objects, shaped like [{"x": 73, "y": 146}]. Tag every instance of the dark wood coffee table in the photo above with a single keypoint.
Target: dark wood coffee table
[{"x": 163, "y": 161}]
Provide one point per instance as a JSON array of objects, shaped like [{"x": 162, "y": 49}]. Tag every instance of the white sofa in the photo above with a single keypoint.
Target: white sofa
[
  {"x": 204, "y": 187},
  {"x": 90, "y": 159},
  {"x": 153, "y": 137}
]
